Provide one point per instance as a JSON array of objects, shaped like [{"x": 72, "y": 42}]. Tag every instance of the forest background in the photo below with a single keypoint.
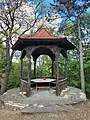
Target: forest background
[{"x": 67, "y": 26}]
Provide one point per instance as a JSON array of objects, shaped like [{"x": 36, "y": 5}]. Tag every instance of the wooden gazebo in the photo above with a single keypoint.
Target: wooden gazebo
[{"x": 42, "y": 43}]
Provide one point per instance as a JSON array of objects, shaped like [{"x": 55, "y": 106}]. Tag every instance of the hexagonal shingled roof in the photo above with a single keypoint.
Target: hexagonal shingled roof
[{"x": 42, "y": 37}]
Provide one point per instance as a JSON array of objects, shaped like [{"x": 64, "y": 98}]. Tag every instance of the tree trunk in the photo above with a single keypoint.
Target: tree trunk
[
  {"x": 7, "y": 69},
  {"x": 29, "y": 79},
  {"x": 81, "y": 58}
]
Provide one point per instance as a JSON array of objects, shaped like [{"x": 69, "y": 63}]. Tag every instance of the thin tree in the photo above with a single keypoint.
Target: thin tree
[
  {"x": 14, "y": 21},
  {"x": 72, "y": 10}
]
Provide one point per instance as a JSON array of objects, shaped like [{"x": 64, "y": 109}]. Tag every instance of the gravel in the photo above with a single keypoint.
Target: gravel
[{"x": 76, "y": 112}]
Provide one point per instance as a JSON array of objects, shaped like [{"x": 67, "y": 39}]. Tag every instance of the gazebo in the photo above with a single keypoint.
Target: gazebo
[{"x": 42, "y": 43}]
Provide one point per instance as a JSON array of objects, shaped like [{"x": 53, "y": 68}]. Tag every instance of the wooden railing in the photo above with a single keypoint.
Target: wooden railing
[
  {"x": 24, "y": 86},
  {"x": 62, "y": 85}
]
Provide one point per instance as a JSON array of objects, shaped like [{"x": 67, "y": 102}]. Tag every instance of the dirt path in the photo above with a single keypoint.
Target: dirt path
[{"x": 76, "y": 112}]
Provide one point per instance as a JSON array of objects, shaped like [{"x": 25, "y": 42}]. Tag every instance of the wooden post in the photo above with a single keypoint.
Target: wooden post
[
  {"x": 29, "y": 82},
  {"x": 57, "y": 73},
  {"x": 34, "y": 68}
]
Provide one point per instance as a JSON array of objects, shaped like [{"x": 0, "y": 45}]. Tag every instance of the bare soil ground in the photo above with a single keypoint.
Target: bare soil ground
[{"x": 75, "y": 112}]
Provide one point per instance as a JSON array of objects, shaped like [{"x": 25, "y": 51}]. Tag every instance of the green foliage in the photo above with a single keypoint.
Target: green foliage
[
  {"x": 73, "y": 72},
  {"x": 14, "y": 80},
  {"x": 87, "y": 72},
  {"x": 69, "y": 28},
  {"x": 44, "y": 69},
  {"x": 2, "y": 61},
  {"x": 88, "y": 90},
  {"x": 87, "y": 60},
  {"x": 2, "y": 69}
]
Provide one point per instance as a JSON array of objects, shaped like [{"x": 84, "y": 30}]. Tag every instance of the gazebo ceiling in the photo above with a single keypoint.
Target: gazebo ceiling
[
  {"x": 44, "y": 51},
  {"x": 40, "y": 51}
]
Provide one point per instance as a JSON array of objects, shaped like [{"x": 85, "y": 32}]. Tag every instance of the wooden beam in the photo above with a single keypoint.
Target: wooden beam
[
  {"x": 35, "y": 69},
  {"x": 57, "y": 73}
]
